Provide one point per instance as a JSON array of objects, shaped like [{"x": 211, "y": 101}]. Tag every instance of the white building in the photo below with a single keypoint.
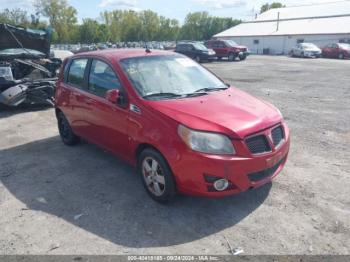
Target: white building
[{"x": 278, "y": 30}]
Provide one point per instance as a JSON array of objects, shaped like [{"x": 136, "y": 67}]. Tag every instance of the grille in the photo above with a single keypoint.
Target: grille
[
  {"x": 277, "y": 135},
  {"x": 258, "y": 144},
  {"x": 257, "y": 176}
]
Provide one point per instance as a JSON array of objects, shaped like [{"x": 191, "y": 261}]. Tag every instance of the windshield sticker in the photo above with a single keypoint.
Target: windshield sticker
[{"x": 186, "y": 62}]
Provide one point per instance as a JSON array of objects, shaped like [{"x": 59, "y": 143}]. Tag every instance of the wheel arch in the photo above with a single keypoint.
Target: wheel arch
[{"x": 143, "y": 146}]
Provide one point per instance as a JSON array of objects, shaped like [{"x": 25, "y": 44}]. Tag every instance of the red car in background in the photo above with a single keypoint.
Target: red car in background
[
  {"x": 183, "y": 128},
  {"x": 339, "y": 50},
  {"x": 227, "y": 48}
]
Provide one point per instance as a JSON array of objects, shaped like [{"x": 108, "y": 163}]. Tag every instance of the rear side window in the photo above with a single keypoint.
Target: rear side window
[
  {"x": 221, "y": 45},
  {"x": 102, "y": 78},
  {"x": 76, "y": 72}
]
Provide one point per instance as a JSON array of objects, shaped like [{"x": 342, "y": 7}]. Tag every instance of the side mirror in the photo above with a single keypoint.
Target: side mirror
[{"x": 113, "y": 96}]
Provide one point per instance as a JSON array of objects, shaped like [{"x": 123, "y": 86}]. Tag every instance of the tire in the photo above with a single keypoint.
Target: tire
[
  {"x": 156, "y": 176},
  {"x": 242, "y": 58},
  {"x": 341, "y": 56},
  {"x": 198, "y": 59},
  {"x": 66, "y": 133},
  {"x": 219, "y": 58},
  {"x": 231, "y": 57},
  {"x": 302, "y": 55}
]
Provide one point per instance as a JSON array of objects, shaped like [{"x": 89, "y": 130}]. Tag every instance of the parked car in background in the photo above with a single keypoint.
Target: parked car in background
[
  {"x": 196, "y": 51},
  {"x": 228, "y": 48},
  {"x": 306, "y": 50},
  {"x": 339, "y": 50},
  {"x": 60, "y": 54},
  {"x": 184, "y": 129}
]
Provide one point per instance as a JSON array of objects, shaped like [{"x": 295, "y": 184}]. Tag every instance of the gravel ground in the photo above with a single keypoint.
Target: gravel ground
[{"x": 82, "y": 200}]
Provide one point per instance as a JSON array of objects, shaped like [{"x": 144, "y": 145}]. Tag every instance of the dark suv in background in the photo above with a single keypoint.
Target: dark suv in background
[
  {"x": 196, "y": 51},
  {"x": 228, "y": 48}
]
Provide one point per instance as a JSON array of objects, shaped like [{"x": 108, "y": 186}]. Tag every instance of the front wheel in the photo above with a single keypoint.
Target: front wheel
[
  {"x": 341, "y": 56},
  {"x": 156, "y": 176},
  {"x": 65, "y": 130},
  {"x": 243, "y": 57},
  {"x": 198, "y": 59}
]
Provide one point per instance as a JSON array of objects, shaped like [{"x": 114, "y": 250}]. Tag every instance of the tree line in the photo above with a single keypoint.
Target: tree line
[{"x": 116, "y": 25}]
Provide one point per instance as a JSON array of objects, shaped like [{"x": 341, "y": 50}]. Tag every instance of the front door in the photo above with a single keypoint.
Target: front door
[{"x": 107, "y": 120}]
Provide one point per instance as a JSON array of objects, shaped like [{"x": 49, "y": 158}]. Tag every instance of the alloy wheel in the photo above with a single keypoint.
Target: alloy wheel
[{"x": 153, "y": 176}]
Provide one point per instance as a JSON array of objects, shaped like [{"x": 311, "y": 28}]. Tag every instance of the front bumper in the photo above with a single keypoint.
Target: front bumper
[
  {"x": 243, "y": 172},
  {"x": 243, "y": 54},
  {"x": 312, "y": 54},
  {"x": 208, "y": 57}
]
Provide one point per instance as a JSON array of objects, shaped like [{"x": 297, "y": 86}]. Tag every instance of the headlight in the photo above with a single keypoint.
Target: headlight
[{"x": 205, "y": 142}]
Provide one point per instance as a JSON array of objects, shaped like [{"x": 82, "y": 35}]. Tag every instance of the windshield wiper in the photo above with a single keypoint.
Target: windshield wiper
[
  {"x": 209, "y": 89},
  {"x": 173, "y": 95},
  {"x": 166, "y": 95}
]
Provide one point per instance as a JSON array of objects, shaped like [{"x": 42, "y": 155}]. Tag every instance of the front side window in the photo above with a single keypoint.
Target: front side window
[
  {"x": 180, "y": 48},
  {"x": 231, "y": 43},
  {"x": 167, "y": 74},
  {"x": 102, "y": 78},
  {"x": 200, "y": 46},
  {"x": 76, "y": 72}
]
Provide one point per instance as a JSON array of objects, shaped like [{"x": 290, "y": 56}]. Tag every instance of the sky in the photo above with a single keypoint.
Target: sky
[{"x": 177, "y": 9}]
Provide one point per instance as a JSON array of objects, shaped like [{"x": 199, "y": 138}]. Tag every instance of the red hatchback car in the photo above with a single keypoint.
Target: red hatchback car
[{"x": 183, "y": 128}]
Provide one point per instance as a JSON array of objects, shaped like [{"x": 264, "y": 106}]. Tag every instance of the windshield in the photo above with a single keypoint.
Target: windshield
[
  {"x": 345, "y": 46},
  {"x": 308, "y": 46},
  {"x": 169, "y": 74},
  {"x": 200, "y": 46},
  {"x": 19, "y": 51},
  {"x": 231, "y": 43}
]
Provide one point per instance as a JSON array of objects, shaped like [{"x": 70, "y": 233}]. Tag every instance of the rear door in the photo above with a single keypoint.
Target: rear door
[
  {"x": 335, "y": 51},
  {"x": 107, "y": 121},
  {"x": 221, "y": 48},
  {"x": 74, "y": 87}
]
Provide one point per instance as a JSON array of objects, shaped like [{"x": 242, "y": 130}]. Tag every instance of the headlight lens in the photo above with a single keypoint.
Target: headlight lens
[{"x": 205, "y": 142}]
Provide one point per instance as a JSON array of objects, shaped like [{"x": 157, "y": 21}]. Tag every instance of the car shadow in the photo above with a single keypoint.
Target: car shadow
[
  {"x": 7, "y": 111},
  {"x": 97, "y": 192}
]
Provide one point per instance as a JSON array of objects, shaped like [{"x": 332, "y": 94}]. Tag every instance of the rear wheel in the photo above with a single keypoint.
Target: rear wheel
[
  {"x": 198, "y": 59},
  {"x": 156, "y": 176},
  {"x": 65, "y": 130}
]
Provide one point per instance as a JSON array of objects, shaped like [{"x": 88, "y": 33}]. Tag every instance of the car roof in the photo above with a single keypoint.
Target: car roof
[{"x": 119, "y": 54}]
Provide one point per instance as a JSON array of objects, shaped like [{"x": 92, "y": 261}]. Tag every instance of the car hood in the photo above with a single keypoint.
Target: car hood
[
  {"x": 231, "y": 111},
  {"x": 30, "y": 39}
]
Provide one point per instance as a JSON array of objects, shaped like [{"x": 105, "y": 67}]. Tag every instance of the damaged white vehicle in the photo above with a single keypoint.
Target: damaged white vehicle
[{"x": 27, "y": 74}]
